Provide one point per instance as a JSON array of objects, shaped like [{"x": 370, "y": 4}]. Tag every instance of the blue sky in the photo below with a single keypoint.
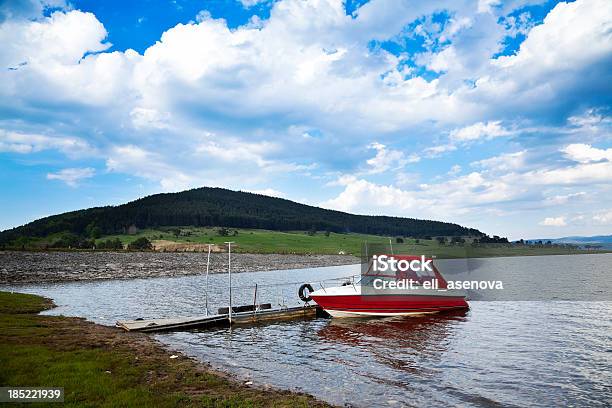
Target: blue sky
[{"x": 491, "y": 114}]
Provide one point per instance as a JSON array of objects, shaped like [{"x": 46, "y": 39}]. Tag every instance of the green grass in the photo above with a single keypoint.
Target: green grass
[
  {"x": 22, "y": 304},
  {"x": 299, "y": 242},
  {"x": 103, "y": 367},
  {"x": 263, "y": 241}
]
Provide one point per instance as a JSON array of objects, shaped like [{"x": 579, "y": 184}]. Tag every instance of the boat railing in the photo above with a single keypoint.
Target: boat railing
[{"x": 279, "y": 293}]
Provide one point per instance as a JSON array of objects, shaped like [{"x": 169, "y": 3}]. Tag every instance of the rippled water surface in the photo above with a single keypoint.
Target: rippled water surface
[{"x": 499, "y": 353}]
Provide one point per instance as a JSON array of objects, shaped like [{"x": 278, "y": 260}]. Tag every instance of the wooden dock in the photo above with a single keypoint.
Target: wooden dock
[{"x": 250, "y": 317}]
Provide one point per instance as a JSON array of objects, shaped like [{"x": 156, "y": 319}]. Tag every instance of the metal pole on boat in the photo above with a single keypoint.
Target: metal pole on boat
[
  {"x": 207, "y": 267},
  {"x": 391, "y": 246},
  {"x": 255, "y": 300},
  {"x": 229, "y": 272}
]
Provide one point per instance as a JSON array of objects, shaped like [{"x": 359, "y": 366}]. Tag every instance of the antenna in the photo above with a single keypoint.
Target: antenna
[
  {"x": 207, "y": 267},
  {"x": 229, "y": 272}
]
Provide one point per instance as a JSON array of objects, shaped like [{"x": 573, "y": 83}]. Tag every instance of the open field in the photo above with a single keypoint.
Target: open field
[
  {"x": 262, "y": 241},
  {"x": 300, "y": 242},
  {"x": 296, "y": 243},
  {"x": 101, "y": 366}
]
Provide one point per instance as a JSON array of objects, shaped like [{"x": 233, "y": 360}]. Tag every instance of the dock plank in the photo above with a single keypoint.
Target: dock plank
[{"x": 186, "y": 323}]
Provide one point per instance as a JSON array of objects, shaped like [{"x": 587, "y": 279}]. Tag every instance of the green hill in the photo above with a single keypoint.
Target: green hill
[{"x": 206, "y": 206}]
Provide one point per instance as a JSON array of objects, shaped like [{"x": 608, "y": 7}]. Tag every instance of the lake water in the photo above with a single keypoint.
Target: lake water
[{"x": 499, "y": 353}]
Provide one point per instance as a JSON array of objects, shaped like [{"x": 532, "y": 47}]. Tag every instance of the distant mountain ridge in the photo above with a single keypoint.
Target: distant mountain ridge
[
  {"x": 603, "y": 241},
  {"x": 208, "y": 206},
  {"x": 578, "y": 239}
]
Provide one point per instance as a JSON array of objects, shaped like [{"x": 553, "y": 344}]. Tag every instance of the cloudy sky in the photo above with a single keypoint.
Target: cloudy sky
[{"x": 492, "y": 114}]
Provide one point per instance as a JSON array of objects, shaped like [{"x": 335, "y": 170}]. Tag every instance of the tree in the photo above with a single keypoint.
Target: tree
[
  {"x": 223, "y": 232},
  {"x": 93, "y": 231},
  {"x": 327, "y": 233},
  {"x": 399, "y": 240},
  {"x": 441, "y": 240},
  {"x": 67, "y": 240},
  {"x": 114, "y": 243},
  {"x": 141, "y": 244},
  {"x": 96, "y": 232},
  {"x": 457, "y": 240}
]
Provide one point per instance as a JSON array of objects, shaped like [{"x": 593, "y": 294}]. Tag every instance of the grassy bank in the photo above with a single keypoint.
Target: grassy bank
[
  {"x": 303, "y": 242},
  {"x": 103, "y": 366}
]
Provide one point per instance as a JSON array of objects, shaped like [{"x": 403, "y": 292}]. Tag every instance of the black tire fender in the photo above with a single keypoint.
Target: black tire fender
[{"x": 301, "y": 294}]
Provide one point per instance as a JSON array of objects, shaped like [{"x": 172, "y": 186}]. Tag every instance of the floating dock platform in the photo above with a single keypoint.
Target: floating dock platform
[{"x": 250, "y": 317}]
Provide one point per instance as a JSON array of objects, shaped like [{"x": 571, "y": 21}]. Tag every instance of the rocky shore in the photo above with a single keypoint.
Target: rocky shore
[{"x": 36, "y": 267}]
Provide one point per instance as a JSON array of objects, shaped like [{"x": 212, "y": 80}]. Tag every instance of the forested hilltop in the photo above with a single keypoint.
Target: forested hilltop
[{"x": 220, "y": 207}]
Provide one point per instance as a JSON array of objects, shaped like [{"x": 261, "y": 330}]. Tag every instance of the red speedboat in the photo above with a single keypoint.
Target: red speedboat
[{"x": 392, "y": 293}]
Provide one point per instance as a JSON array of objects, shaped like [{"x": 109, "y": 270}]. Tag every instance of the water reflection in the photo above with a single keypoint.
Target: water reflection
[
  {"x": 418, "y": 333},
  {"x": 398, "y": 343}
]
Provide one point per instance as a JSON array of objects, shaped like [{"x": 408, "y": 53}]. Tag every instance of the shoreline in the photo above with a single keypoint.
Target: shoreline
[
  {"x": 39, "y": 267},
  {"x": 101, "y": 365},
  {"x": 22, "y": 267}
]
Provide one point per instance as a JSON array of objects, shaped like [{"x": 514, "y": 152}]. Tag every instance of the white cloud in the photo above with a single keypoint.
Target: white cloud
[
  {"x": 553, "y": 222},
  {"x": 269, "y": 192},
  {"x": 584, "y": 153},
  {"x": 387, "y": 159},
  {"x": 443, "y": 60},
  {"x": 537, "y": 56},
  {"x": 60, "y": 38},
  {"x": 504, "y": 162},
  {"x": 588, "y": 173},
  {"x": 566, "y": 54},
  {"x": 370, "y": 198},
  {"x": 604, "y": 217},
  {"x": 440, "y": 200},
  {"x": 565, "y": 198},
  {"x": 480, "y": 130},
  {"x": 149, "y": 165},
  {"x": 456, "y": 169},
  {"x": 506, "y": 183},
  {"x": 485, "y": 6},
  {"x": 143, "y": 118},
  {"x": 72, "y": 176},
  {"x": 436, "y": 151},
  {"x": 25, "y": 143},
  {"x": 403, "y": 179},
  {"x": 234, "y": 151},
  {"x": 309, "y": 57},
  {"x": 590, "y": 119},
  {"x": 251, "y": 3},
  {"x": 453, "y": 27},
  {"x": 28, "y": 9}
]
